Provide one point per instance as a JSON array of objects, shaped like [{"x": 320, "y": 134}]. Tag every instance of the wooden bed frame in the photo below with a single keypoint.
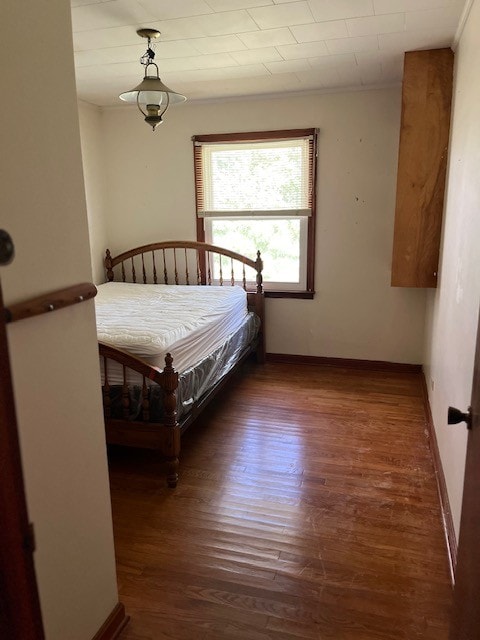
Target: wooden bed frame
[{"x": 176, "y": 261}]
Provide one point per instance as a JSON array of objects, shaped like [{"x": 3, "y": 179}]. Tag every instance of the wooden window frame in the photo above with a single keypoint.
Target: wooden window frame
[{"x": 259, "y": 136}]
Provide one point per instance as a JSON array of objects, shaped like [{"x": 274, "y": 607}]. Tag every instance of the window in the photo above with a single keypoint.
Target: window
[{"x": 256, "y": 191}]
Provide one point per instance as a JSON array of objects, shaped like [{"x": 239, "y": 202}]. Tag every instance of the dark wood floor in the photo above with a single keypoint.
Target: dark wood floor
[{"x": 306, "y": 508}]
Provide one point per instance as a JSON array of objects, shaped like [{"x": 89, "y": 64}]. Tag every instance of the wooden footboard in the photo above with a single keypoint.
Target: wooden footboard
[
  {"x": 175, "y": 263},
  {"x": 163, "y": 436}
]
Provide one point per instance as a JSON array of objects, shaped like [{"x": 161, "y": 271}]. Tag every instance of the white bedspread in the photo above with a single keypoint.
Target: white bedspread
[{"x": 150, "y": 320}]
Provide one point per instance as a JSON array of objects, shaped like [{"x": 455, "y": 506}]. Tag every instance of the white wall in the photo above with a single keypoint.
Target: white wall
[
  {"x": 355, "y": 313},
  {"x": 453, "y": 308},
  {"x": 54, "y": 356},
  {"x": 93, "y": 169}
]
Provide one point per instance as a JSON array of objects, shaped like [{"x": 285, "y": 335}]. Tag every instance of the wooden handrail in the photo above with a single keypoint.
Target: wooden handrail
[{"x": 51, "y": 301}]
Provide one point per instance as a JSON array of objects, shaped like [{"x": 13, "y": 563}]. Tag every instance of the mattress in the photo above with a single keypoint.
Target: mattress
[
  {"x": 193, "y": 382},
  {"x": 150, "y": 320}
]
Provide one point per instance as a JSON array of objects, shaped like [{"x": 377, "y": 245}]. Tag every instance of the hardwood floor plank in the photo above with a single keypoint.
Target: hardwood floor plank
[{"x": 306, "y": 509}]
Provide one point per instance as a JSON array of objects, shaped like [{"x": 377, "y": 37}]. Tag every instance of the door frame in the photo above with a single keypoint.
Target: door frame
[
  {"x": 465, "y": 620},
  {"x": 20, "y": 614}
]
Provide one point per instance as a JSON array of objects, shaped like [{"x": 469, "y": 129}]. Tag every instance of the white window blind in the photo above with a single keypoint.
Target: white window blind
[{"x": 250, "y": 179}]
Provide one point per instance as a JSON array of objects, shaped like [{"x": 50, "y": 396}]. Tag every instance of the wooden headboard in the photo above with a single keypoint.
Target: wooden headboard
[{"x": 184, "y": 262}]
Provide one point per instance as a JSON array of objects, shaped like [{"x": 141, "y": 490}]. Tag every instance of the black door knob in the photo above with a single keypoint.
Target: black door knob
[
  {"x": 6, "y": 248},
  {"x": 455, "y": 416}
]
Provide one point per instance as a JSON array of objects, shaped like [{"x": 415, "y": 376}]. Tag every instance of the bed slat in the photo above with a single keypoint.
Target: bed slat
[
  {"x": 187, "y": 275},
  {"x": 259, "y": 269},
  {"x": 107, "y": 401},
  {"x": 145, "y": 401},
  {"x": 175, "y": 265},
  {"x": 125, "y": 395},
  {"x": 199, "y": 272},
  {"x": 154, "y": 268},
  {"x": 143, "y": 271},
  {"x": 209, "y": 279},
  {"x": 165, "y": 272}
]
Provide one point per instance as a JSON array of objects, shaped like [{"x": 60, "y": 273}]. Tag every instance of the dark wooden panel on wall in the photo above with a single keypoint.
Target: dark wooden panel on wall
[{"x": 422, "y": 164}]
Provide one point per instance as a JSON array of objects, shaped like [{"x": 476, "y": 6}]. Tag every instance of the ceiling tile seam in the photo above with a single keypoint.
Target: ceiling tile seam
[
  {"x": 350, "y": 24},
  {"x": 268, "y": 3},
  {"x": 372, "y": 35},
  {"x": 170, "y": 72},
  {"x": 157, "y": 20},
  {"x": 312, "y": 21},
  {"x": 234, "y": 63},
  {"x": 196, "y": 15},
  {"x": 188, "y": 40},
  {"x": 258, "y": 26},
  {"x": 352, "y": 17}
]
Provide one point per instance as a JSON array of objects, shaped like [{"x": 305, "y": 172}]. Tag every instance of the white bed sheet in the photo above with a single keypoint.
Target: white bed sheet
[{"x": 151, "y": 320}]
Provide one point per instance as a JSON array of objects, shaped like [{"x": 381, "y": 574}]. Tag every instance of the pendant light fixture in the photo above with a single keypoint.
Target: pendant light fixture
[{"x": 151, "y": 96}]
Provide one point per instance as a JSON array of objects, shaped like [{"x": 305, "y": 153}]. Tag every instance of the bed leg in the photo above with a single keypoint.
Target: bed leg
[
  {"x": 260, "y": 311},
  {"x": 172, "y": 472},
  {"x": 172, "y": 430},
  {"x": 172, "y": 451},
  {"x": 260, "y": 353}
]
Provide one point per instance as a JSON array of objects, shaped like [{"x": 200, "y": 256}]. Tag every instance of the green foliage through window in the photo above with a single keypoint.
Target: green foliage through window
[{"x": 277, "y": 240}]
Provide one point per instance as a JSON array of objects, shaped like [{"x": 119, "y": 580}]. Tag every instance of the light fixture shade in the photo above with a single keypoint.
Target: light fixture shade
[
  {"x": 152, "y": 91},
  {"x": 151, "y": 96}
]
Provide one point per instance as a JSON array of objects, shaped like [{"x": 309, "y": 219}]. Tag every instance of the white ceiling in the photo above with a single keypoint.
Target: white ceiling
[{"x": 211, "y": 49}]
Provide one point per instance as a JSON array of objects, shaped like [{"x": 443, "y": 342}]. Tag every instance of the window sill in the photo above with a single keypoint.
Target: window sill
[{"x": 304, "y": 295}]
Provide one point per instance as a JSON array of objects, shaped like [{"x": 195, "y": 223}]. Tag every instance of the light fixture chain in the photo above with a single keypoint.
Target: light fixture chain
[{"x": 149, "y": 55}]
